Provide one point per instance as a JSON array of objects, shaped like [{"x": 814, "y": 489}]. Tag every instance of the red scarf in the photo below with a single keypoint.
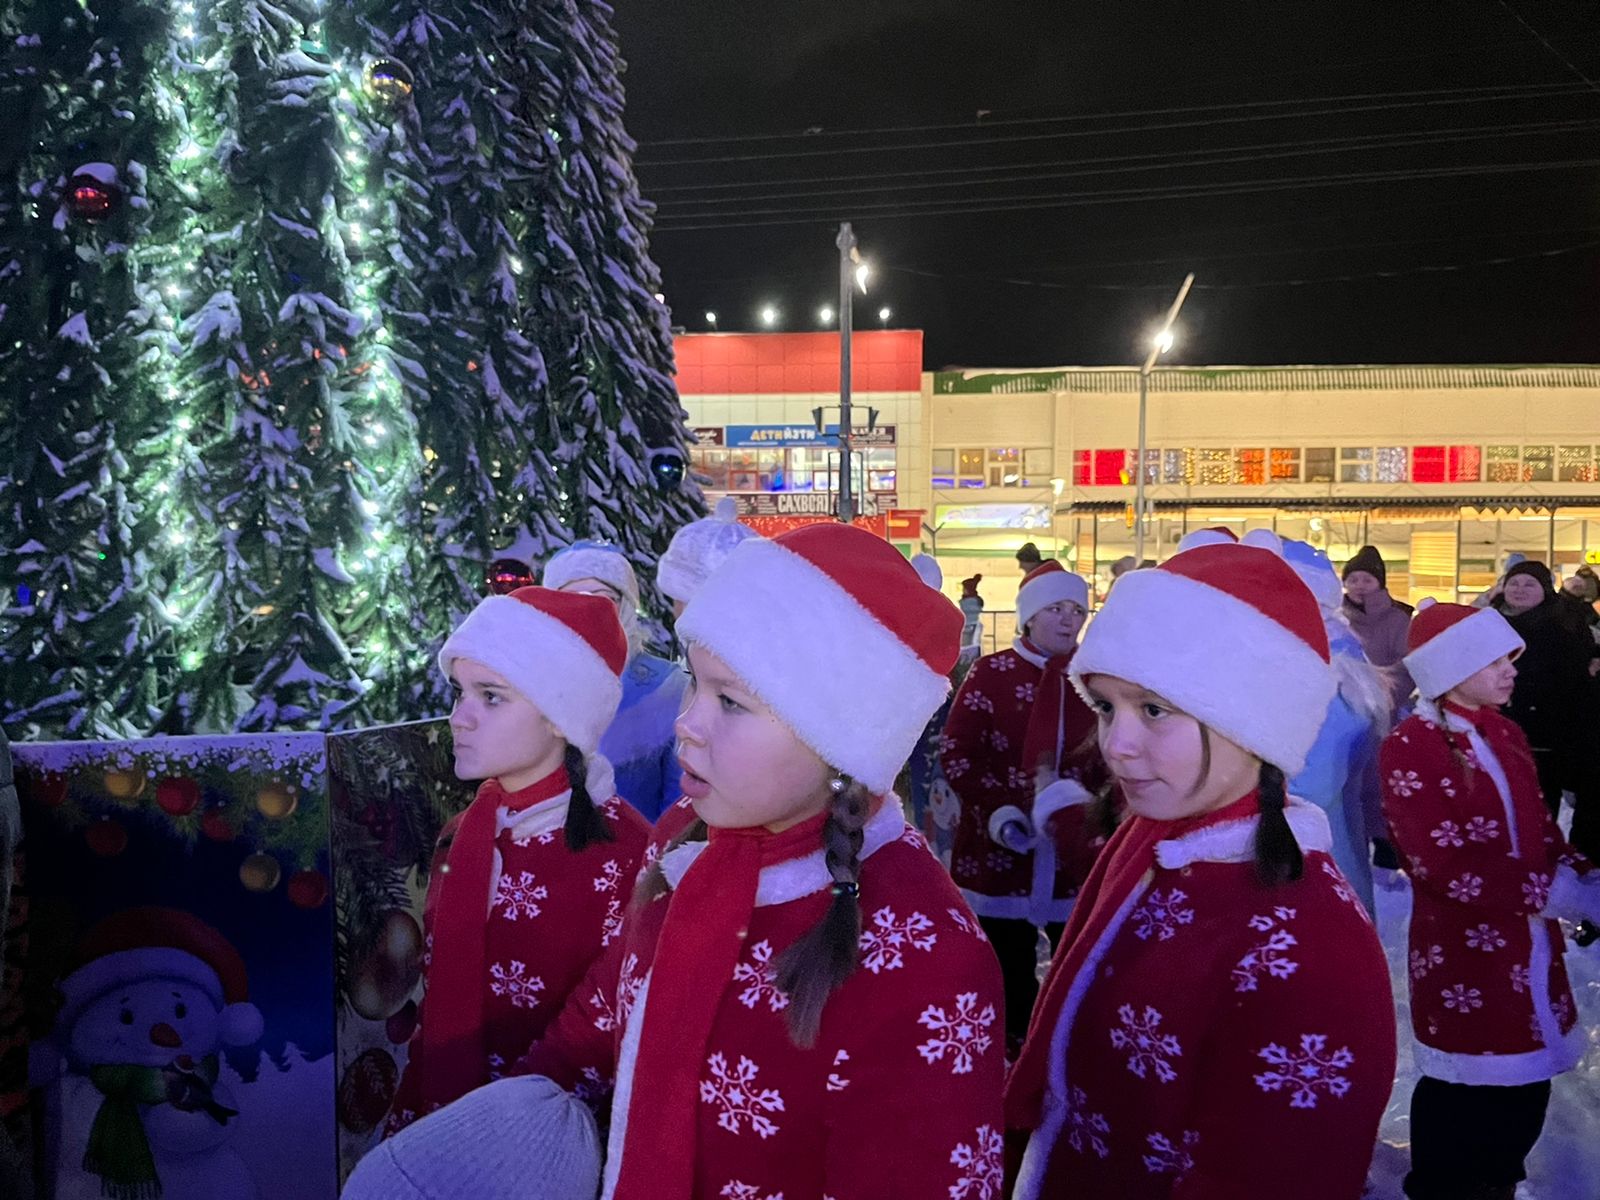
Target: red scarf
[
  {"x": 453, "y": 1053},
  {"x": 1054, "y": 707},
  {"x": 1472, "y": 716},
  {"x": 704, "y": 932},
  {"x": 1121, "y": 868}
]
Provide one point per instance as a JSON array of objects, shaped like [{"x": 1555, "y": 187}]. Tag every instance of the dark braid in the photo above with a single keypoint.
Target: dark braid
[
  {"x": 585, "y": 825},
  {"x": 653, "y": 880},
  {"x": 827, "y": 953},
  {"x": 1278, "y": 857}
]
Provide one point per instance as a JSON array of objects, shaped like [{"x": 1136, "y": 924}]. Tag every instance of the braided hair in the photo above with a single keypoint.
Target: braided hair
[
  {"x": 1278, "y": 857},
  {"x": 827, "y": 953},
  {"x": 585, "y": 826}
]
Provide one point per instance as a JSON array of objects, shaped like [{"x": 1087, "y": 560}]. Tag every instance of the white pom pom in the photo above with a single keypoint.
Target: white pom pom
[
  {"x": 727, "y": 510},
  {"x": 928, "y": 570},
  {"x": 1263, "y": 539},
  {"x": 1426, "y": 603}
]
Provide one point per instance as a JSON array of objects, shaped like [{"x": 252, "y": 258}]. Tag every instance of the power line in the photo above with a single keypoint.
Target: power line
[
  {"x": 1545, "y": 42},
  {"x": 1533, "y": 92},
  {"x": 1042, "y": 201}
]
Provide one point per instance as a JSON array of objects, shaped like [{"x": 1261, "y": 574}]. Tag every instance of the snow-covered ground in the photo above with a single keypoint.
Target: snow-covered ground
[{"x": 1565, "y": 1165}]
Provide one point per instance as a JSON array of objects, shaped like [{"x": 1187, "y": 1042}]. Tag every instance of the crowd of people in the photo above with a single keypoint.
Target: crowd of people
[{"x": 757, "y": 980}]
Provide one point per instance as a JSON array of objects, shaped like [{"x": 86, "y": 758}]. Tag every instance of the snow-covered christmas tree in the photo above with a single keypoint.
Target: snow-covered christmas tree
[{"x": 308, "y": 312}]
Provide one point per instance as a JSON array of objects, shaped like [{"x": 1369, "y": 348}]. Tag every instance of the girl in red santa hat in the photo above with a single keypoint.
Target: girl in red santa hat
[
  {"x": 802, "y": 1005},
  {"x": 1019, "y": 753},
  {"x": 530, "y": 882},
  {"x": 1491, "y": 1009},
  {"x": 1218, "y": 1020}
]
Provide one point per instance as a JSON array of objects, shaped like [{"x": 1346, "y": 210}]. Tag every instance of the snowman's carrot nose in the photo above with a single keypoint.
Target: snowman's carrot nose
[{"x": 163, "y": 1034}]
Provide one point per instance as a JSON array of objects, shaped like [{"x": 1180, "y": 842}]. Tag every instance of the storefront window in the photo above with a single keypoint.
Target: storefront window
[
  {"x": 1320, "y": 464},
  {"x": 944, "y": 468},
  {"x": 1080, "y": 469},
  {"x": 1504, "y": 463},
  {"x": 1538, "y": 464},
  {"x": 1285, "y": 465},
  {"x": 1391, "y": 464},
  {"x": 1576, "y": 464},
  {"x": 1465, "y": 464},
  {"x": 1213, "y": 466},
  {"x": 1174, "y": 466},
  {"x": 1038, "y": 466},
  {"x": 1005, "y": 467},
  {"x": 970, "y": 473},
  {"x": 713, "y": 464},
  {"x": 1250, "y": 466},
  {"x": 1355, "y": 464},
  {"x": 880, "y": 468}
]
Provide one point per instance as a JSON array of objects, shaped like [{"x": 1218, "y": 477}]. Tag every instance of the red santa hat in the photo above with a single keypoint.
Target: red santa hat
[
  {"x": 1228, "y": 634},
  {"x": 564, "y": 651},
  {"x": 1047, "y": 584},
  {"x": 1452, "y": 642},
  {"x": 832, "y": 628},
  {"x": 1217, "y": 535},
  {"x": 161, "y": 943}
]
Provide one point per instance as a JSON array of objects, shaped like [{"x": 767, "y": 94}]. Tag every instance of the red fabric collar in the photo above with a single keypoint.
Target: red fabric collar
[
  {"x": 453, "y": 1055},
  {"x": 1476, "y": 717},
  {"x": 700, "y": 942},
  {"x": 1117, "y": 873}
]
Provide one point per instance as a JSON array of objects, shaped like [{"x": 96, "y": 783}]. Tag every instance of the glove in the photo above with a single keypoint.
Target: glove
[
  {"x": 1011, "y": 828},
  {"x": 1574, "y": 897}
]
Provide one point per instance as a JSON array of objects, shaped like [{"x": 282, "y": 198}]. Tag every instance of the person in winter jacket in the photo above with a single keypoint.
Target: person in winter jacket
[
  {"x": 1341, "y": 772},
  {"x": 1491, "y": 1008},
  {"x": 1018, "y": 751},
  {"x": 801, "y": 1004},
  {"x": 1378, "y": 620},
  {"x": 15, "y": 1126},
  {"x": 1554, "y": 699},
  {"x": 698, "y": 549},
  {"x": 527, "y": 885},
  {"x": 1218, "y": 1020},
  {"x": 639, "y": 742}
]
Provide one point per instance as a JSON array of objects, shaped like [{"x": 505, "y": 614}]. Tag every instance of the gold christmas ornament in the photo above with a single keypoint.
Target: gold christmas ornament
[
  {"x": 126, "y": 784},
  {"x": 275, "y": 801},
  {"x": 260, "y": 873}
]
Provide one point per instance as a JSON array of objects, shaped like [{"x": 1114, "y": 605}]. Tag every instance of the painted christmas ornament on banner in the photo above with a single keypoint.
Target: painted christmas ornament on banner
[
  {"x": 275, "y": 801},
  {"x": 383, "y": 980},
  {"x": 367, "y": 1090},
  {"x": 260, "y": 873}
]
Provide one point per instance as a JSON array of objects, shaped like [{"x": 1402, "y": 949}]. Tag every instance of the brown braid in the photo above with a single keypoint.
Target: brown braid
[
  {"x": 827, "y": 953},
  {"x": 1278, "y": 857},
  {"x": 585, "y": 826},
  {"x": 653, "y": 882}
]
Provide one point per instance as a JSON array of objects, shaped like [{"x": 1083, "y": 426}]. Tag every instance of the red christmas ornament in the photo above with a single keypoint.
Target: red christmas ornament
[
  {"x": 50, "y": 790},
  {"x": 307, "y": 889},
  {"x": 92, "y": 200},
  {"x": 106, "y": 837},
  {"x": 215, "y": 826},
  {"x": 506, "y": 575},
  {"x": 178, "y": 797},
  {"x": 403, "y": 1024},
  {"x": 380, "y": 983}
]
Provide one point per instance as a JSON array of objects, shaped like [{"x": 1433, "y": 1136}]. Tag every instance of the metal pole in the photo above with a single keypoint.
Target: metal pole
[
  {"x": 847, "y": 244},
  {"x": 1156, "y": 347}
]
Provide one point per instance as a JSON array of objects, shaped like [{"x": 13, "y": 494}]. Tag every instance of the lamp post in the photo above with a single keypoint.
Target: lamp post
[
  {"x": 1160, "y": 344},
  {"x": 852, "y": 274}
]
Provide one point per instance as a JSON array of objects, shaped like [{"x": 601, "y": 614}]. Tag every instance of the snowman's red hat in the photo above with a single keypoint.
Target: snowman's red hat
[{"x": 161, "y": 943}]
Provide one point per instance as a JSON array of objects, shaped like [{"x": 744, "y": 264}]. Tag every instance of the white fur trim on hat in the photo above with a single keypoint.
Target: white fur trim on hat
[
  {"x": 1047, "y": 588},
  {"x": 548, "y": 662},
  {"x": 240, "y": 1023},
  {"x": 609, "y": 565},
  {"x": 848, "y": 687},
  {"x": 698, "y": 549},
  {"x": 1460, "y": 651},
  {"x": 1225, "y": 663}
]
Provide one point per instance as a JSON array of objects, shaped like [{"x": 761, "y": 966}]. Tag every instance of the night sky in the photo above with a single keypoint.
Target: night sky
[{"x": 1055, "y": 228}]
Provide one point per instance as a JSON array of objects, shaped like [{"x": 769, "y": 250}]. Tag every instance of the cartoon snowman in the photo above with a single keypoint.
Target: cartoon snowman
[{"x": 151, "y": 998}]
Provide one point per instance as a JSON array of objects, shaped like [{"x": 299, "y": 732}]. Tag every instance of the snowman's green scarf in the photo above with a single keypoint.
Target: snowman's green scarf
[{"x": 119, "y": 1150}]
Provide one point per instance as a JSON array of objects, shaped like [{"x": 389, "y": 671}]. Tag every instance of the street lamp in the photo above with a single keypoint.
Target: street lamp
[
  {"x": 1159, "y": 344},
  {"x": 769, "y": 316},
  {"x": 852, "y": 274},
  {"x": 883, "y": 314},
  {"x": 711, "y": 319},
  {"x": 825, "y": 314}
]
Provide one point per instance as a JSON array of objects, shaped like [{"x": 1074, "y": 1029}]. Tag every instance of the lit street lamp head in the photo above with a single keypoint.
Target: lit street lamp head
[
  {"x": 825, "y": 315},
  {"x": 769, "y": 316}
]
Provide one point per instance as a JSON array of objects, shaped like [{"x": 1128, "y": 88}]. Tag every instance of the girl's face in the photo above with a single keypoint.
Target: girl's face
[
  {"x": 1488, "y": 688},
  {"x": 1358, "y": 585},
  {"x": 742, "y": 766},
  {"x": 594, "y": 587},
  {"x": 1158, "y": 755},
  {"x": 498, "y": 732},
  {"x": 1523, "y": 592},
  {"x": 1055, "y": 627}
]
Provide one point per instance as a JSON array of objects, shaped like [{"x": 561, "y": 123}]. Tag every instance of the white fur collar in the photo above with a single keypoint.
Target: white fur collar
[
  {"x": 1020, "y": 649},
  {"x": 798, "y": 877},
  {"x": 1234, "y": 841},
  {"x": 528, "y": 823}
]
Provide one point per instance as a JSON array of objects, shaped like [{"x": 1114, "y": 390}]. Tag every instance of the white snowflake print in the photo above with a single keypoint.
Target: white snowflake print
[
  {"x": 1306, "y": 1071},
  {"x": 1519, "y": 978},
  {"x": 1448, "y": 787},
  {"x": 1003, "y": 662},
  {"x": 427, "y": 952},
  {"x": 610, "y": 876},
  {"x": 735, "y": 1190},
  {"x": 957, "y": 767},
  {"x": 1268, "y": 957},
  {"x": 1536, "y": 892},
  {"x": 612, "y": 925},
  {"x": 1447, "y": 835},
  {"x": 1563, "y": 1011},
  {"x": 592, "y": 1088},
  {"x": 497, "y": 1067},
  {"x": 1148, "y": 1048},
  {"x": 964, "y": 1034},
  {"x": 966, "y": 866},
  {"x": 977, "y": 701},
  {"x": 1166, "y": 1155},
  {"x": 1462, "y": 999},
  {"x": 1001, "y": 860},
  {"x": 1087, "y": 1131},
  {"x": 1404, "y": 783},
  {"x": 611, "y": 809},
  {"x": 885, "y": 941},
  {"x": 1016, "y": 777},
  {"x": 519, "y": 897},
  {"x": 609, "y": 1017},
  {"x": 760, "y": 980},
  {"x": 989, "y": 780},
  {"x": 1423, "y": 961},
  {"x": 544, "y": 839},
  {"x": 1341, "y": 886},
  {"x": 513, "y": 981},
  {"x": 1468, "y": 887},
  {"x": 966, "y": 924},
  {"x": 999, "y": 740},
  {"x": 980, "y": 1166},
  {"x": 1161, "y": 914},
  {"x": 1485, "y": 938},
  {"x": 1025, "y": 693},
  {"x": 1483, "y": 829},
  {"x": 836, "y": 1081},
  {"x": 738, "y": 1101}
]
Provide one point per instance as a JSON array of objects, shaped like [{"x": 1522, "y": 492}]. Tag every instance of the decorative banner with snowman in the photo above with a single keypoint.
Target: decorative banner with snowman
[{"x": 183, "y": 933}]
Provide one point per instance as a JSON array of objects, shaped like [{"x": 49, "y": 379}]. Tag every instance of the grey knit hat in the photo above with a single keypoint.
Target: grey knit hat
[{"x": 517, "y": 1139}]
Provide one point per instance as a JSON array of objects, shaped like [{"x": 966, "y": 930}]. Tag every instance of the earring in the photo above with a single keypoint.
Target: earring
[{"x": 836, "y": 785}]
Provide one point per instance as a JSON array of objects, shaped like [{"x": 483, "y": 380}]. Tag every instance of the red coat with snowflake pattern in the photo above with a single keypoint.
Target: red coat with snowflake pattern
[
  {"x": 1490, "y": 1002},
  {"x": 551, "y": 913},
  {"x": 1226, "y": 1040},
  {"x": 981, "y": 753},
  {"x": 900, "y": 1095}
]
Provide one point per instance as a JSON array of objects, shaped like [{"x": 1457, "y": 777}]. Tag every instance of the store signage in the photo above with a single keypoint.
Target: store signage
[
  {"x": 807, "y": 504},
  {"x": 745, "y": 436},
  {"x": 991, "y": 516},
  {"x": 1592, "y": 557},
  {"x": 707, "y": 435}
]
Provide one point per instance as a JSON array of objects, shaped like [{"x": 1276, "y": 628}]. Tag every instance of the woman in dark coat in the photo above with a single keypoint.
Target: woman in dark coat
[{"x": 1555, "y": 697}]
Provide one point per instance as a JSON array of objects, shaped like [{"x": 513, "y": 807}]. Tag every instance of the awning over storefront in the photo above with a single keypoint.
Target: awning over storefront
[{"x": 1410, "y": 508}]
